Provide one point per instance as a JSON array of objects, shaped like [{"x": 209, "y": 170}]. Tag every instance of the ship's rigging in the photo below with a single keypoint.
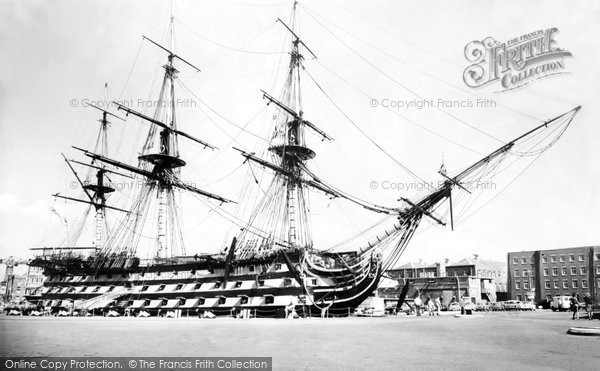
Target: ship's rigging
[{"x": 281, "y": 219}]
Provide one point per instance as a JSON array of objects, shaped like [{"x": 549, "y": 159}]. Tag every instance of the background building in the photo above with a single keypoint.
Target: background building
[
  {"x": 18, "y": 279},
  {"x": 541, "y": 274},
  {"x": 473, "y": 277}
]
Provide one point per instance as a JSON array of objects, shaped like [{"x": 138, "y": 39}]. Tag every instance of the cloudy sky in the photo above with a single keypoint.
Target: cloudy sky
[{"x": 58, "y": 55}]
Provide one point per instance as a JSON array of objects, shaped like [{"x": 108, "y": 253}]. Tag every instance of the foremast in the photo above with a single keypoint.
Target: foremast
[{"x": 282, "y": 216}]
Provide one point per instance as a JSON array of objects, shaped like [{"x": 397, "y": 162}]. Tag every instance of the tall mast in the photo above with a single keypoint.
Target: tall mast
[
  {"x": 282, "y": 214},
  {"x": 160, "y": 160},
  {"x": 293, "y": 151},
  {"x": 97, "y": 190},
  {"x": 100, "y": 190}
]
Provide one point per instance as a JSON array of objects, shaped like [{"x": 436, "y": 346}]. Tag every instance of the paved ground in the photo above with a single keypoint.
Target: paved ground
[{"x": 499, "y": 340}]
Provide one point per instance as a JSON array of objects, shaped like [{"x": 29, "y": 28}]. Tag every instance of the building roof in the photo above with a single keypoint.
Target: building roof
[
  {"x": 557, "y": 249},
  {"x": 413, "y": 265}
]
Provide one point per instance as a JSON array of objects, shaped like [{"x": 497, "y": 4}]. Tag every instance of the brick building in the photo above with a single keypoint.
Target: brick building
[{"x": 541, "y": 274}]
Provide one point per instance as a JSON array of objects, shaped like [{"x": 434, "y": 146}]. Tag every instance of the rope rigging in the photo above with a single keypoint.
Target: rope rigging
[{"x": 389, "y": 77}]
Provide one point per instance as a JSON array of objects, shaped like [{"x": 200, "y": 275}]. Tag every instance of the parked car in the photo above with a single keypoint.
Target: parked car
[
  {"x": 528, "y": 305},
  {"x": 454, "y": 307},
  {"x": 560, "y": 302},
  {"x": 483, "y": 306},
  {"x": 498, "y": 306},
  {"x": 513, "y": 305}
]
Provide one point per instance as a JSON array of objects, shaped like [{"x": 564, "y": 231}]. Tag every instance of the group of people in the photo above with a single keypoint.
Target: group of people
[
  {"x": 575, "y": 304},
  {"x": 432, "y": 306}
]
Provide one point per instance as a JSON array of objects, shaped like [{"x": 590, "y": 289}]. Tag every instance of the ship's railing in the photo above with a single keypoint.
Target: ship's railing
[{"x": 66, "y": 252}]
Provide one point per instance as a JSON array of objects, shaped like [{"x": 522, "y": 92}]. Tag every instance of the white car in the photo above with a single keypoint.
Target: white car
[
  {"x": 513, "y": 305},
  {"x": 528, "y": 305}
]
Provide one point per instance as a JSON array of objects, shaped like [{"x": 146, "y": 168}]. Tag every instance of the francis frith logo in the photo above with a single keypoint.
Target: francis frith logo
[{"x": 516, "y": 62}]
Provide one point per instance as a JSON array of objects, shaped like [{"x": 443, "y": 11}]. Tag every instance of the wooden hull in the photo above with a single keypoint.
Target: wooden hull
[{"x": 294, "y": 282}]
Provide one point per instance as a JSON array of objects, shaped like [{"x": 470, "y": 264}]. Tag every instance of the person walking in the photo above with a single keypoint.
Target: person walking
[
  {"x": 428, "y": 305},
  {"x": 438, "y": 305},
  {"x": 587, "y": 299},
  {"x": 418, "y": 304},
  {"x": 574, "y": 306}
]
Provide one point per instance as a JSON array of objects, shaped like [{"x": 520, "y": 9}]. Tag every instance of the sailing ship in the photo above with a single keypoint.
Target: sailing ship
[{"x": 270, "y": 267}]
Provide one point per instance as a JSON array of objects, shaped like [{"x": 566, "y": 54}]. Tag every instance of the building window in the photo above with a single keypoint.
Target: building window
[
  {"x": 517, "y": 285},
  {"x": 250, "y": 269},
  {"x": 555, "y": 271},
  {"x": 573, "y": 271},
  {"x": 598, "y": 269},
  {"x": 547, "y": 284},
  {"x": 597, "y": 256},
  {"x": 583, "y": 271},
  {"x": 562, "y": 259},
  {"x": 238, "y": 284},
  {"x": 197, "y": 286},
  {"x": 515, "y": 260},
  {"x": 217, "y": 285},
  {"x": 565, "y": 284},
  {"x": 519, "y": 297},
  {"x": 563, "y": 271},
  {"x": 516, "y": 273},
  {"x": 244, "y": 300},
  {"x": 581, "y": 257},
  {"x": 584, "y": 284},
  {"x": 178, "y": 287},
  {"x": 574, "y": 284},
  {"x": 523, "y": 260},
  {"x": 161, "y": 288},
  {"x": 545, "y": 272},
  {"x": 524, "y": 272},
  {"x": 555, "y": 284},
  {"x": 144, "y": 288},
  {"x": 287, "y": 282},
  {"x": 269, "y": 299},
  {"x": 544, "y": 259},
  {"x": 261, "y": 283},
  {"x": 222, "y": 300},
  {"x": 526, "y": 285},
  {"x": 110, "y": 289},
  {"x": 571, "y": 258},
  {"x": 553, "y": 258},
  {"x": 277, "y": 266}
]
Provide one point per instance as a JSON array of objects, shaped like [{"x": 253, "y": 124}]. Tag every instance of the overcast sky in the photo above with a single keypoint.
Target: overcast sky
[{"x": 58, "y": 54}]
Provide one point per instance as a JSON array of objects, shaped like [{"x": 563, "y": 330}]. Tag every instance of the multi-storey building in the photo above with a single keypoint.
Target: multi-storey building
[
  {"x": 473, "y": 277},
  {"x": 23, "y": 281},
  {"x": 539, "y": 275}
]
